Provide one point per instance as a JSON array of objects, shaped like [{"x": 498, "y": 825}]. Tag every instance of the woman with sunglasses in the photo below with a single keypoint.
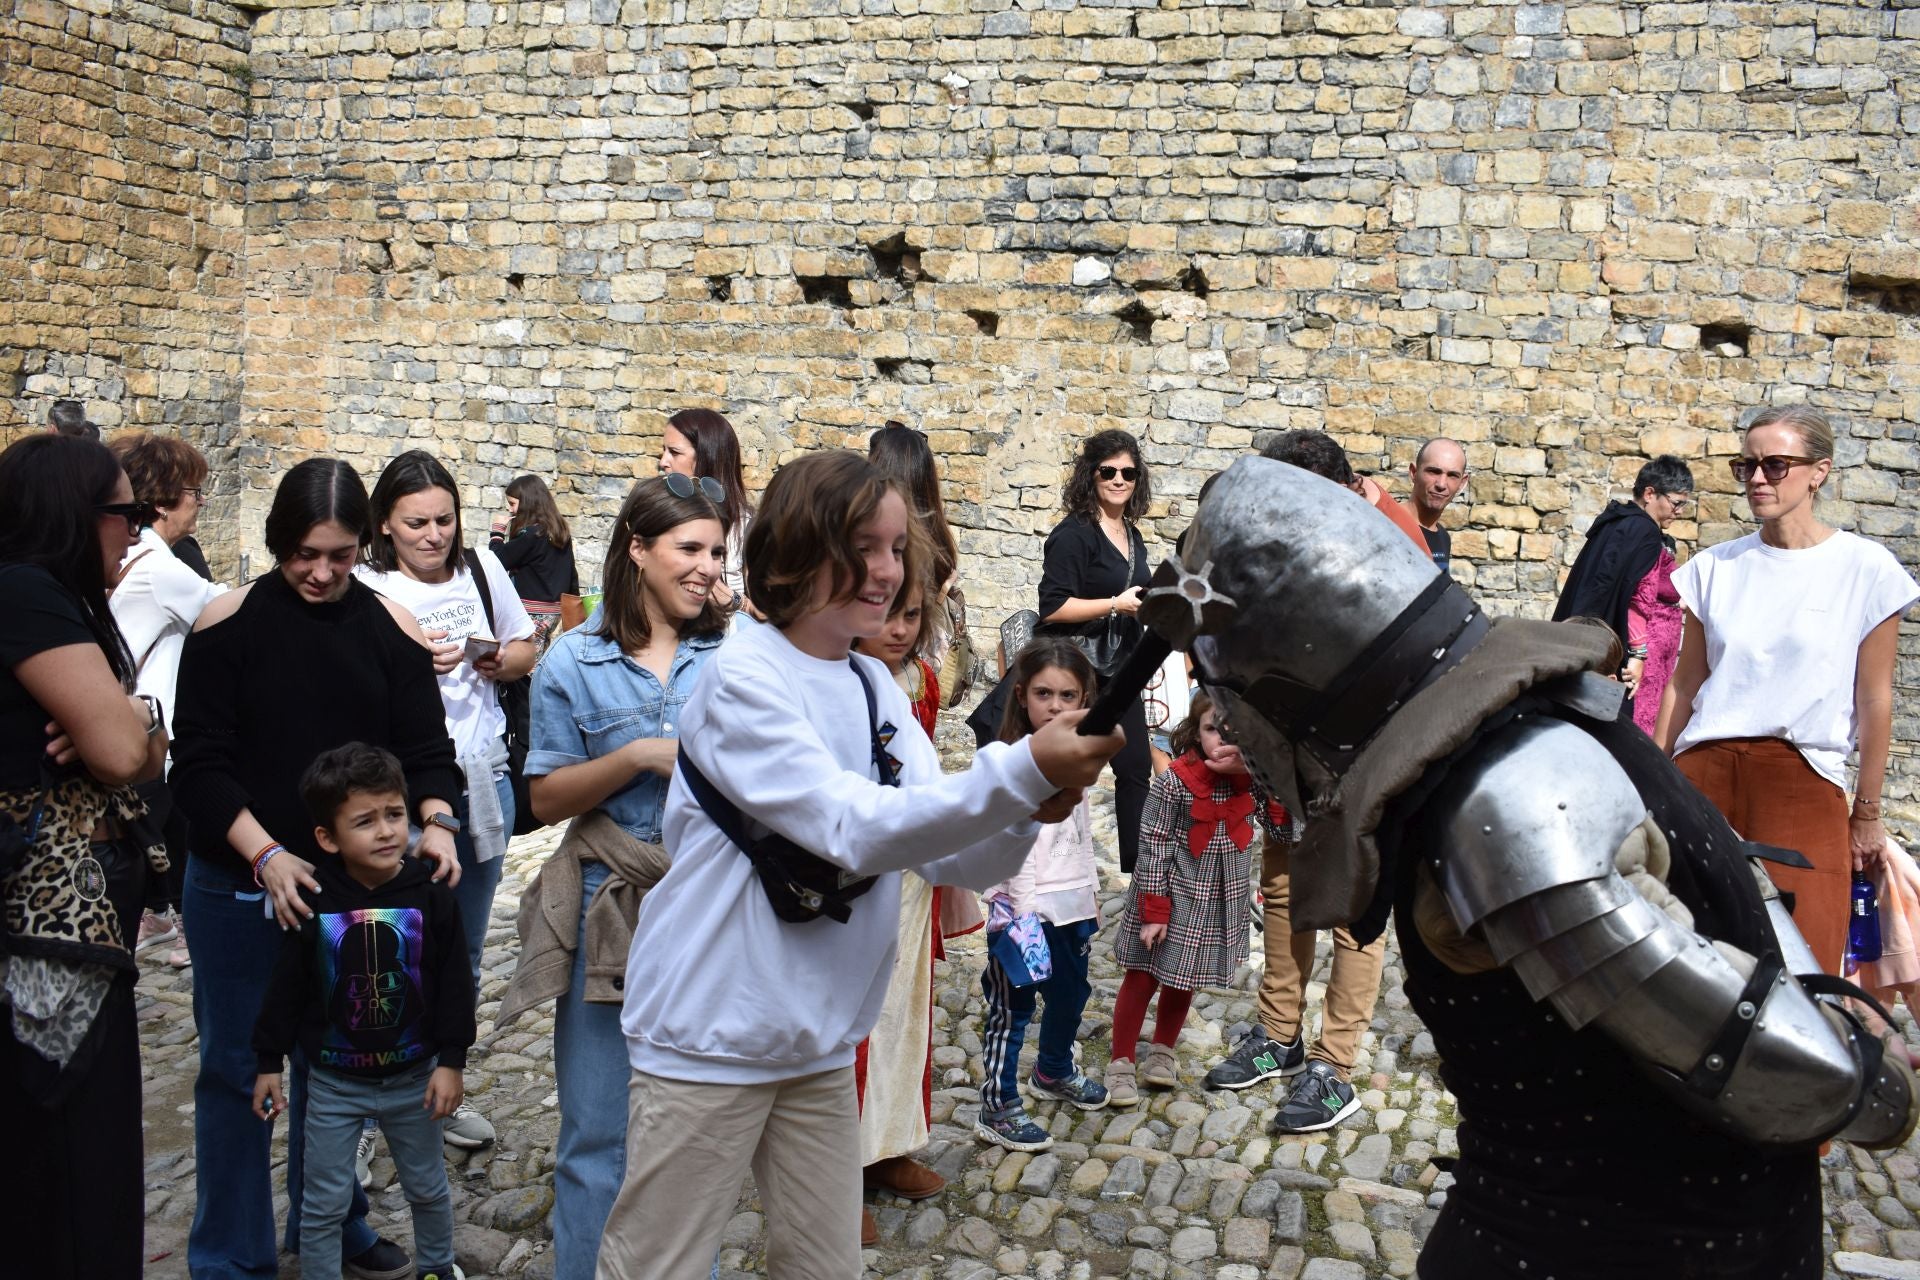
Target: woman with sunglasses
[
  {"x": 701, "y": 442},
  {"x": 606, "y": 714},
  {"x": 1786, "y": 665},
  {"x": 1094, "y": 570},
  {"x": 302, "y": 659},
  {"x": 156, "y": 600},
  {"x": 72, "y": 739},
  {"x": 1624, "y": 578}
]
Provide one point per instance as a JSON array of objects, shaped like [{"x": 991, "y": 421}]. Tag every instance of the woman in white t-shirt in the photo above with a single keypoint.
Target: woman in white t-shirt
[
  {"x": 417, "y": 558},
  {"x": 1786, "y": 665}
]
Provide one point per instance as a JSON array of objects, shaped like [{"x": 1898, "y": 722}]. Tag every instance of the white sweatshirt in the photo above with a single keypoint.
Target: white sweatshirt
[{"x": 718, "y": 989}]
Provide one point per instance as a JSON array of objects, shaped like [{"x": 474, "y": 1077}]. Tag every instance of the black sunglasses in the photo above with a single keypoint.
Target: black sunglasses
[
  {"x": 684, "y": 486},
  {"x": 137, "y": 514},
  {"x": 1774, "y": 466},
  {"x": 1125, "y": 473}
]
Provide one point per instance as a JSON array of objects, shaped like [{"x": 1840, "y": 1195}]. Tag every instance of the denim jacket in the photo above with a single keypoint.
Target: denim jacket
[{"x": 590, "y": 699}]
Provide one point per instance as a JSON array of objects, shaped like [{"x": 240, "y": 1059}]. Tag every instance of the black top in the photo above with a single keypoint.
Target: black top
[
  {"x": 188, "y": 553},
  {"x": 265, "y": 691},
  {"x": 375, "y": 982},
  {"x": 1622, "y": 547},
  {"x": 541, "y": 571},
  {"x": 1573, "y": 1162},
  {"x": 1083, "y": 564},
  {"x": 41, "y": 614},
  {"x": 1439, "y": 546}
]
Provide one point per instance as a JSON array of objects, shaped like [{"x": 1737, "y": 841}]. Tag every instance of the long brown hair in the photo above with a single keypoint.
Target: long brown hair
[
  {"x": 1081, "y": 497},
  {"x": 716, "y": 453},
  {"x": 649, "y": 511},
  {"x": 536, "y": 509},
  {"x": 807, "y": 518},
  {"x": 1041, "y": 653},
  {"x": 1187, "y": 737},
  {"x": 902, "y": 454}
]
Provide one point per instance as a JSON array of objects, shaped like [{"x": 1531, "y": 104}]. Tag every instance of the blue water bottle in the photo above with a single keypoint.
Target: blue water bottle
[{"x": 1863, "y": 927}]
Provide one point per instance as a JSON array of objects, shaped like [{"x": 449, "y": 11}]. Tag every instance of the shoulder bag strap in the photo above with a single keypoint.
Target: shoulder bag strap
[
  {"x": 126, "y": 569},
  {"x": 881, "y": 763},
  {"x": 486, "y": 587}
]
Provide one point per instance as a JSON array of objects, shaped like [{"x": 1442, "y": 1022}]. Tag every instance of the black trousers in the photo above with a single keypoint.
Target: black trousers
[
  {"x": 77, "y": 1208},
  {"x": 1132, "y": 775},
  {"x": 170, "y": 821}
]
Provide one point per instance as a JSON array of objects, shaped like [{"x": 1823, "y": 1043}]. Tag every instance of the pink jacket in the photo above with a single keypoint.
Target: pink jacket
[{"x": 1062, "y": 859}]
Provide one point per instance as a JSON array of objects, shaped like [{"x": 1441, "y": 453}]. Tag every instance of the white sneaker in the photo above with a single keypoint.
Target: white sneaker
[
  {"x": 467, "y": 1128},
  {"x": 154, "y": 930},
  {"x": 363, "y": 1157}
]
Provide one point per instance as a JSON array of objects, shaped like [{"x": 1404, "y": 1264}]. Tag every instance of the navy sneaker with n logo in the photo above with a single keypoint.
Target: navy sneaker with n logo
[
  {"x": 1258, "y": 1056},
  {"x": 1320, "y": 1100}
]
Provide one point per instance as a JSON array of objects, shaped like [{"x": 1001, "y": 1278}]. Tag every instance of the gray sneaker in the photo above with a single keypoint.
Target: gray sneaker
[
  {"x": 1012, "y": 1130},
  {"x": 363, "y": 1157},
  {"x": 467, "y": 1128},
  {"x": 1088, "y": 1095},
  {"x": 1319, "y": 1100}
]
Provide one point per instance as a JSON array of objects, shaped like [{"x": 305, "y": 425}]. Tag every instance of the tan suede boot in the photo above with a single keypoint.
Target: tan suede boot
[
  {"x": 1121, "y": 1090},
  {"x": 1159, "y": 1069}
]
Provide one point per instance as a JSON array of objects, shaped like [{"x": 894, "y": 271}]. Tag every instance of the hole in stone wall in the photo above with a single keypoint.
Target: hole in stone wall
[
  {"x": 915, "y": 371},
  {"x": 720, "y": 288},
  {"x": 831, "y": 290},
  {"x": 986, "y": 321},
  {"x": 1138, "y": 320},
  {"x": 1725, "y": 339},
  {"x": 894, "y": 260},
  {"x": 1898, "y": 302},
  {"x": 862, "y": 110},
  {"x": 200, "y": 257},
  {"x": 1194, "y": 280},
  {"x": 517, "y": 282},
  {"x": 1418, "y": 347}
]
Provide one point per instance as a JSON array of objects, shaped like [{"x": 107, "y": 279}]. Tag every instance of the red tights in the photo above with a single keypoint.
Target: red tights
[{"x": 1130, "y": 1011}]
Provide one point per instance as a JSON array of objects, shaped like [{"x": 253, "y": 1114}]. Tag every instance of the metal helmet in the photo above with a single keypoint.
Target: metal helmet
[{"x": 1318, "y": 589}]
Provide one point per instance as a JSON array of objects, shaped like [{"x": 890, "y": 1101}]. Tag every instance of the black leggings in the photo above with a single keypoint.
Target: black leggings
[{"x": 1132, "y": 775}]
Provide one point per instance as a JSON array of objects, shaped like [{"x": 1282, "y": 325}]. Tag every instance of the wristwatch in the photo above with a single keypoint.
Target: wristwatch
[
  {"x": 445, "y": 821},
  {"x": 153, "y": 710}
]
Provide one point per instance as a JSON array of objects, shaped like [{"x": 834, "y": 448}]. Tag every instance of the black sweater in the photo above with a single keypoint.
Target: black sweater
[
  {"x": 265, "y": 691},
  {"x": 540, "y": 570},
  {"x": 375, "y": 982},
  {"x": 1082, "y": 564}
]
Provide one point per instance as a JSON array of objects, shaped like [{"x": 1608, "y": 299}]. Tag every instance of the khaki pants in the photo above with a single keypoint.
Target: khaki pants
[
  {"x": 690, "y": 1145},
  {"x": 1352, "y": 987}
]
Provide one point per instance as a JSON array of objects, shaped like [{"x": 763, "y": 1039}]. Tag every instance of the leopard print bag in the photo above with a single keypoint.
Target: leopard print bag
[{"x": 54, "y": 889}]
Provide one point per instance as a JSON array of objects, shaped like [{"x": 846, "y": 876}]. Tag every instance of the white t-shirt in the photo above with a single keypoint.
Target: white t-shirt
[
  {"x": 1783, "y": 640},
  {"x": 785, "y": 736},
  {"x": 474, "y": 718},
  {"x": 155, "y": 605}
]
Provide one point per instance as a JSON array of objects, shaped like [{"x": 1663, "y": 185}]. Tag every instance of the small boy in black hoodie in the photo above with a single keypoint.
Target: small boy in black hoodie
[{"x": 374, "y": 988}]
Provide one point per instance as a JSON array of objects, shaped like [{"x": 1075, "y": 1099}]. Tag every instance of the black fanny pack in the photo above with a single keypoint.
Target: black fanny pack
[{"x": 800, "y": 885}]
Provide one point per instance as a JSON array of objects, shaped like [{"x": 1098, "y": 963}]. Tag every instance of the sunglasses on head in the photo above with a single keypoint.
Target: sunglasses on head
[
  {"x": 683, "y": 486},
  {"x": 1774, "y": 467},
  {"x": 136, "y": 514},
  {"x": 1125, "y": 473}
]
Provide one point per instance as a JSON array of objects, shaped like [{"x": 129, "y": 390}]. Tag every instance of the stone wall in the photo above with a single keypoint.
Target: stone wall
[
  {"x": 121, "y": 190},
  {"x": 1571, "y": 236}
]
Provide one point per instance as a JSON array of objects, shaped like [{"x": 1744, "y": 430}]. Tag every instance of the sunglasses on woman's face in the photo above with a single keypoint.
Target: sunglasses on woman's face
[
  {"x": 1774, "y": 467},
  {"x": 136, "y": 514},
  {"x": 1125, "y": 473},
  {"x": 1678, "y": 501},
  {"x": 681, "y": 486}
]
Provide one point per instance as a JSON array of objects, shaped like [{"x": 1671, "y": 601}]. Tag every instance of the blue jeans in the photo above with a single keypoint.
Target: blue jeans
[
  {"x": 336, "y": 1106},
  {"x": 479, "y": 880},
  {"x": 233, "y": 944},
  {"x": 1010, "y": 1009},
  {"x": 590, "y": 1064}
]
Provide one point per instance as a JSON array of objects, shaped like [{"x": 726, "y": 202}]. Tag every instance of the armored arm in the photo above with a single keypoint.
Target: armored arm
[{"x": 1551, "y": 857}]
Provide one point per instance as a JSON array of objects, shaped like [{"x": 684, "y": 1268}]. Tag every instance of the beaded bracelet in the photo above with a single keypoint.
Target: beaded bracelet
[{"x": 262, "y": 858}]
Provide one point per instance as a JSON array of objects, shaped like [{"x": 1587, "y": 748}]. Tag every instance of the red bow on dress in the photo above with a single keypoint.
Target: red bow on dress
[{"x": 1231, "y": 813}]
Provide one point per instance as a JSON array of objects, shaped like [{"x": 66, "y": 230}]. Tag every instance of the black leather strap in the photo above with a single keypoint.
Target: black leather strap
[{"x": 1710, "y": 1075}]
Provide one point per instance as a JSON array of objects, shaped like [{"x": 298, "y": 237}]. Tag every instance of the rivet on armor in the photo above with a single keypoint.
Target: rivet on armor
[
  {"x": 1716, "y": 1063},
  {"x": 1745, "y": 1009}
]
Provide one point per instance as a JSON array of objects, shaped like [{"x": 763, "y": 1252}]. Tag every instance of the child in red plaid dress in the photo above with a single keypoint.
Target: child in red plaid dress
[{"x": 1185, "y": 925}]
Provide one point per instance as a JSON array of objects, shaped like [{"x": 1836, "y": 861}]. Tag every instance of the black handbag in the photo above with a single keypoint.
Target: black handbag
[
  {"x": 1107, "y": 649},
  {"x": 800, "y": 885},
  {"x": 516, "y": 701}
]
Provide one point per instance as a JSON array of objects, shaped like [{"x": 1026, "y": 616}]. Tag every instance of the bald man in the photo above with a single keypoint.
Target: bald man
[{"x": 1439, "y": 472}]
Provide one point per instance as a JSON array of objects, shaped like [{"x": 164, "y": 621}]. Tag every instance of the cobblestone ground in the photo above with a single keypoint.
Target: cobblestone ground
[{"x": 1189, "y": 1184}]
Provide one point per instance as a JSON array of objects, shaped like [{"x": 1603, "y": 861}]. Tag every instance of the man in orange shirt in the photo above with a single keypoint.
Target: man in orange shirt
[{"x": 1276, "y": 1046}]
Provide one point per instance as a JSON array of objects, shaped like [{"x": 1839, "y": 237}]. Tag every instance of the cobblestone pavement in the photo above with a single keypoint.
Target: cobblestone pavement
[{"x": 1189, "y": 1184}]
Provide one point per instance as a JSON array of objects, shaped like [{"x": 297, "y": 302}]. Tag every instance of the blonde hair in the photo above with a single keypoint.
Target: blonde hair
[{"x": 1815, "y": 432}]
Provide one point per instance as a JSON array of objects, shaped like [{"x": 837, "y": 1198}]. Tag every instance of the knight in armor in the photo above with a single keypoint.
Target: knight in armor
[{"x": 1645, "y": 1056}]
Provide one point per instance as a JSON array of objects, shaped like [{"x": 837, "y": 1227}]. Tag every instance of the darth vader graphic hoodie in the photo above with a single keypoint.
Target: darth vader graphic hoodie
[{"x": 375, "y": 982}]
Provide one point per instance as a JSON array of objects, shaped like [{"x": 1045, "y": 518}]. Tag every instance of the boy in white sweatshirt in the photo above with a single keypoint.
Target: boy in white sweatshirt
[{"x": 740, "y": 1026}]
